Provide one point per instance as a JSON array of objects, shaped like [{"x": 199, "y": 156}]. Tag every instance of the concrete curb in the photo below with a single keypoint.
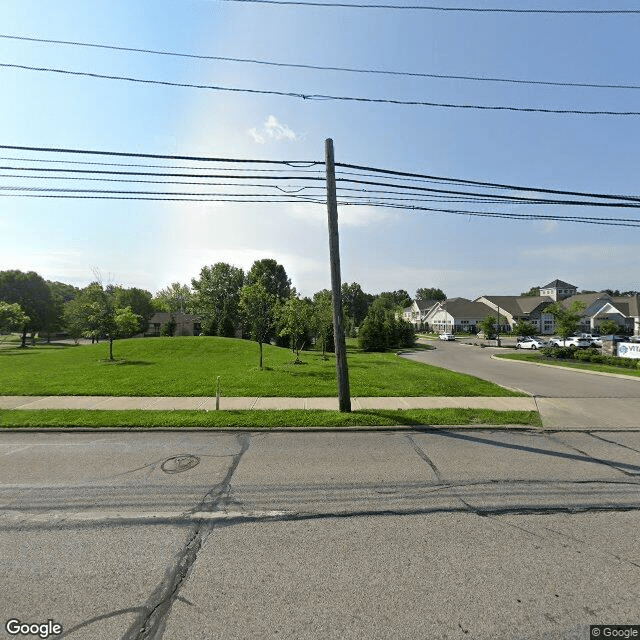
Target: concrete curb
[{"x": 556, "y": 366}]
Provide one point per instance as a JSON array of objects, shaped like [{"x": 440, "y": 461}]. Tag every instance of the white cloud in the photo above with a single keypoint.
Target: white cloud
[
  {"x": 272, "y": 129},
  {"x": 547, "y": 226}
]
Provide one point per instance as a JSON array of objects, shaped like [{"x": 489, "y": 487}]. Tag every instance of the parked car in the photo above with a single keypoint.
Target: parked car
[
  {"x": 447, "y": 336},
  {"x": 571, "y": 341},
  {"x": 531, "y": 343}
]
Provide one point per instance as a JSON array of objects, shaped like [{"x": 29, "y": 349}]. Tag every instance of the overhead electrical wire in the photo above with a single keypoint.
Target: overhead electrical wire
[
  {"x": 345, "y": 5},
  {"x": 393, "y": 189},
  {"x": 315, "y": 67},
  {"x": 320, "y": 96}
]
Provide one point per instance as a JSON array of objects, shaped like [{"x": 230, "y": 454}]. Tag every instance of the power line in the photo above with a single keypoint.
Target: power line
[
  {"x": 319, "y": 96},
  {"x": 291, "y": 163},
  {"x": 489, "y": 184},
  {"x": 432, "y": 8},
  {"x": 440, "y": 76}
]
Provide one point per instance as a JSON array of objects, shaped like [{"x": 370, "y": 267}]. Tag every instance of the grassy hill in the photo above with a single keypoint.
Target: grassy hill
[{"x": 189, "y": 367}]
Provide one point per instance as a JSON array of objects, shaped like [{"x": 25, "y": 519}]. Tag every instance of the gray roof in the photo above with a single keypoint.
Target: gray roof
[
  {"x": 559, "y": 284},
  {"x": 424, "y": 305},
  {"x": 463, "y": 308},
  {"x": 519, "y": 305}
]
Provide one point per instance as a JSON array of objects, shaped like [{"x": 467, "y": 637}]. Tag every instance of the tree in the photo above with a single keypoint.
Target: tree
[
  {"x": 273, "y": 276},
  {"x": 216, "y": 298},
  {"x": 98, "y": 315},
  {"x": 355, "y": 302},
  {"x": 295, "y": 320},
  {"x": 258, "y": 308},
  {"x": 524, "y": 328},
  {"x": 423, "y": 294},
  {"x": 139, "y": 301},
  {"x": 488, "y": 327},
  {"x": 174, "y": 298},
  {"x": 322, "y": 321},
  {"x": 31, "y": 292},
  {"x": 608, "y": 327},
  {"x": 400, "y": 298},
  {"x": 532, "y": 293},
  {"x": 382, "y": 329},
  {"x": 567, "y": 320},
  {"x": 12, "y": 317}
]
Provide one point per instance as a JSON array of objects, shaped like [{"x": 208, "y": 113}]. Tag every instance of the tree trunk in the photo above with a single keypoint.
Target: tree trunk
[
  {"x": 24, "y": 338},
  {"x": 110, "y": 348},
  {"x": 260, "y": 343}
]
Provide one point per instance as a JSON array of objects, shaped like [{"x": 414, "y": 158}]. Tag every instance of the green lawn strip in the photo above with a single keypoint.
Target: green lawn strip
[
  {"x": 190, "y": 366},
  {"x": 584, "y": 366},
  {"x": 257, "y": 419}
]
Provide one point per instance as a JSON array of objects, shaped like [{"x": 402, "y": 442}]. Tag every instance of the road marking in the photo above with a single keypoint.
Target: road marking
[{"x": 166, "y": 517}]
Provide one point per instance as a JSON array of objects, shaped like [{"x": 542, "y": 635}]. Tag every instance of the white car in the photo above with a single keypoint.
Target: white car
[
  {"x": 531, "y": 343},
  {"x": 571, "y": 341},
  {"x": 447, "y": 336}
]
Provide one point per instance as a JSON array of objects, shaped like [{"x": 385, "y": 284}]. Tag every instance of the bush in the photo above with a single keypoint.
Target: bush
[{"x": 381, "y": 330}]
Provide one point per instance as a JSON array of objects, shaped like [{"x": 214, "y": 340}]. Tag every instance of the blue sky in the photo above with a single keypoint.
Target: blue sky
[{"x": 151, "y": 244}]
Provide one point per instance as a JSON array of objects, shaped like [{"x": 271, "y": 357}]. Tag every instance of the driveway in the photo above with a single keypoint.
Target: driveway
[{"x": 566, "y": 398}]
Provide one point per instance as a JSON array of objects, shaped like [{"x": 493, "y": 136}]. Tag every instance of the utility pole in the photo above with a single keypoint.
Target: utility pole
[{"x": 344, "y": 395}]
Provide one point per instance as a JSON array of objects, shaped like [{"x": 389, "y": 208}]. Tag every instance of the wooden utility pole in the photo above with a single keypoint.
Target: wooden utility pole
[{"x": 344, "y": 395}]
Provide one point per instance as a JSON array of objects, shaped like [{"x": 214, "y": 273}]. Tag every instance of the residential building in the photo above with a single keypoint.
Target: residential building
[
  {"x": 186, "y": 324},
  {"x": 457, "y": 314},
  {"x": 417, "y": 313},
  {"x": 558, "y": 290},
  {"x": 525, "y": 308}
]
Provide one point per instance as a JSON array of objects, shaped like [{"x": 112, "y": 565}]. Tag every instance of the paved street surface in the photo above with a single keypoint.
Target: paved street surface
[
  {"x": 423, "y": 534},
  {"x": 566, "y": 398}
]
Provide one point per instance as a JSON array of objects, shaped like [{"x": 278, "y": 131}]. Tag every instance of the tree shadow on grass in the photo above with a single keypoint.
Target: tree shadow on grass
[{"x": 124, "y": 363}]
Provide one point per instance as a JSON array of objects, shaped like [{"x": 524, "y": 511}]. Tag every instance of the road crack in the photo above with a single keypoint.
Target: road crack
[{"x": 151, "y": 623}]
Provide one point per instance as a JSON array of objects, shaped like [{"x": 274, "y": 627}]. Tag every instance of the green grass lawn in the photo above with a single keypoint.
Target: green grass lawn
[
  {"x": 190, "y": 366},
  {"x": 573, "y": 364},
  {"x": 263, "y": 419}
]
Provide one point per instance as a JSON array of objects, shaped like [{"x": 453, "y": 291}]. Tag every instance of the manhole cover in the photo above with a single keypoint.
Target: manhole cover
[{"x": 176, "y": 464}]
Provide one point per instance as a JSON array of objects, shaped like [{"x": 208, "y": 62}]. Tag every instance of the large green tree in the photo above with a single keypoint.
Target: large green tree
[
  {"x": 399, "y": 298},
  {"x": 12, "y": 317},
  {"x": 429, "y": 293},
  {"x": 140, "y": 302},
  {"x": 258, "y": 307},
  {"x": 216, "y": 298},
  {"x": 174, "y": 298},
  {"x": 382, "y": 328},
  {"x": 31, "y": 292},
  {"x": 273, "y": 276},
  {"x": 355, "y": 302}
]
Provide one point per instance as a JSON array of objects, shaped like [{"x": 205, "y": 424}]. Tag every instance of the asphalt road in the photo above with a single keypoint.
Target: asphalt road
[
  {"x": 566, "y": 398},
  {"x": 410, "y": 534}
]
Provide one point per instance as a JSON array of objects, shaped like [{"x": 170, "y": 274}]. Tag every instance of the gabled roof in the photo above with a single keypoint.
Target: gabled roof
[
  {"x": 559, "y": 284},
  {"x": 587, "y": 298},
  {"x": 518, "y": 305},
  {"x": 424, "y": 305},
  {"x": 633, "y": 303},
  {"x": 463, "y": 308}
]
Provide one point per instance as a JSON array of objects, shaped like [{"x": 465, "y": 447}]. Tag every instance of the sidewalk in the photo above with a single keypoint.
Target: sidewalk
[{"x": 208, "y": 404}]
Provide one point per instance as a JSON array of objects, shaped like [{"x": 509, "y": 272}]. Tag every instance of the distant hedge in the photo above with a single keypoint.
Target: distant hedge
[{"x": 589, "y": 355}]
